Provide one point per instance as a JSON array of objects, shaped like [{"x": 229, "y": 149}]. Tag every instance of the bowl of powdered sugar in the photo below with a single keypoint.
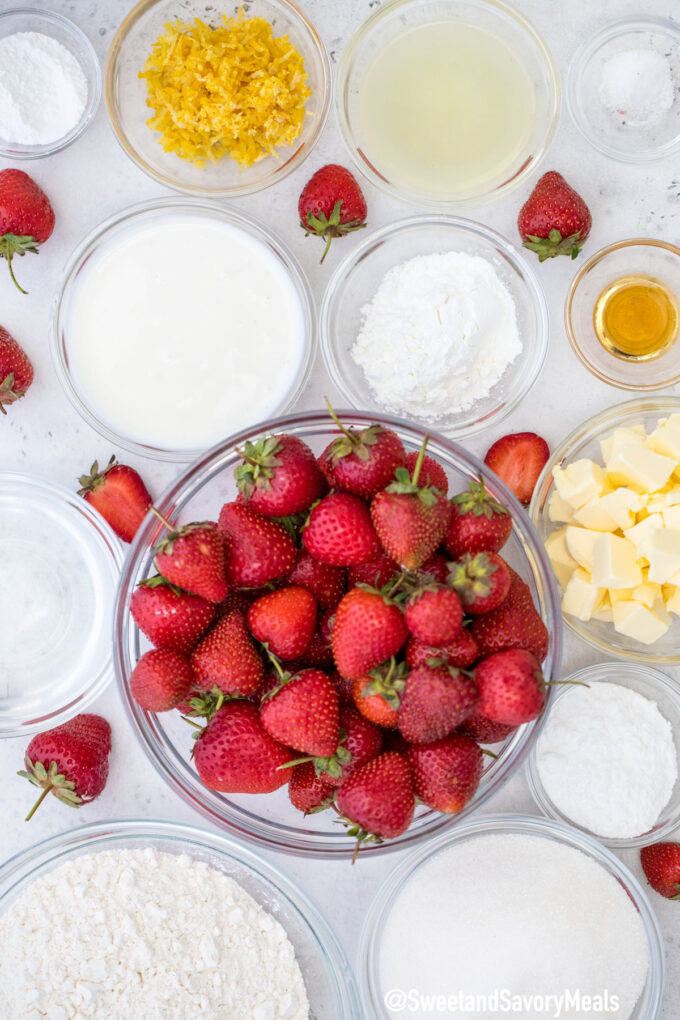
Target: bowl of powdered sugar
[
  {"x": 437, "y": 319},
  {"x": 50, "y": 83},
  {"x": 141, "y": 920}
]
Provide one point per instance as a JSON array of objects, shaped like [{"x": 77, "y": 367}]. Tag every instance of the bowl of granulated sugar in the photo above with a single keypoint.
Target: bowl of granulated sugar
[{"x": 50, "y": 83}]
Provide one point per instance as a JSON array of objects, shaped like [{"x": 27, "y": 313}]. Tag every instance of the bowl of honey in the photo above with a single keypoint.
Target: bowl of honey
[{"x": 622, "y": 314}]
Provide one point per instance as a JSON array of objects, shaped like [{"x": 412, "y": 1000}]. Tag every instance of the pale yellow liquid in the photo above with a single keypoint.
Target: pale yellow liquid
[{"x": 446, "y": 108}]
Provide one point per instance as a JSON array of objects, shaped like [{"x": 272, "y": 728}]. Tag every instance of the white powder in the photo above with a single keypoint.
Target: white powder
[
  {"x": 637, "y": 86},
  {"x": 43, "y": 90},
  {"x": 438, "y": 335},
  {"x": 515, "y": 912},
  {"x": 140, "y": 935},
  {"x": 607, "y": 759}
]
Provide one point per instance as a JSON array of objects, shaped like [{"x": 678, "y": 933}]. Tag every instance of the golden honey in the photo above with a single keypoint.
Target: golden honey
[{"x": 636, "y": 317}]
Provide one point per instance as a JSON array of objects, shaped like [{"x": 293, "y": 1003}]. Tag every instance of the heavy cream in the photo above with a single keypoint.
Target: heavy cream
[{"x": 182, "y": 330}]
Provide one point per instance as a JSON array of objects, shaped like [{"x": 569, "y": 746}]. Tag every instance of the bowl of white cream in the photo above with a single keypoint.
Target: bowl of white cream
[{"x": 178, "y": 323}]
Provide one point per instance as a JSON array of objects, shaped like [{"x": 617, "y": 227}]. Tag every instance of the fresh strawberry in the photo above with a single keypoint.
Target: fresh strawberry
[
  {"x": 661, "y": 865},
  {"x": 16, "y": 371},
  {"x": 120, "y": 496},
  {"x": 193, "y": 558},
  {"x": 434, "y": 569},
  {"x": 368, "y": 630},
  {"x": 482, "y": 581},
  {"x": 514, "y": 624},
  {"x": 518, "y": 460},
  {"x": 479, "y": 523},
  {"x": 511, "y": 687},
  {"x": 460, "y": 652},
  {"x": 327, "y": 583},
  {"x": 331, "y": 204},
  {"x": 307, "y": 791},
  {"x": 303, "y": 713},
  {"x": 339, "y": 531},
  {"x": 70, "y": 761},
  {"x": 434, "y": 614},
  {"x": 484, "y": 731},
  {"x": 378, "y": 798},
  {"x": 410, "y": 519},
  {"x": 279, "y": 476},
  {"x": 26, "y": 217},
  {"x": 161, "y": 680},
  {"x": 258, "y": 550},
  {"x": 362, "y": 461},
  {"x": 446, "y": 773},
  {"x": 343, "y": 686},
  {"x": 320, "y": 651},
  {"x": 360, "y": 741},
  {"x": 235, "y": 754},
  {"x": 170, "y": 618},
  {"x": 554, "y": 220},
  {"x": 284, "y": 620},
  {"x": 376, "y": 573},
  {"x": 431, "y": 473},
  {"x": 377, "y": 695},
  {"x": 435, "y": 701},
  {"x": 227, "y": 658}
]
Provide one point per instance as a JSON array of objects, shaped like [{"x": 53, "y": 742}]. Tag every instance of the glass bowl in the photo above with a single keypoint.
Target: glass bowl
[
  {"x": 651, "y": 684},
  {"x": 61, "y": 562},
  {"x": 358, "y": 276},
  {"x": 388, "y": 23},
  {"x": 611, "y": 134},
  {"x": 112, "y": 229},
  {"x": 32, "y": 19},
  {"x": 584, "y": 441},
  {"x": 126, "y": 96},
  {"x": 646, "y": 257},
  {"x": 270, "y": 821},
  {"x": 328, "y": 977},
  {"x": 373, "y": 994}
]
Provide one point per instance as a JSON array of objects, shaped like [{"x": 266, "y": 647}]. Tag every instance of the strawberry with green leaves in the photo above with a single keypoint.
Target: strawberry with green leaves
[
  {"x": 279, "y": 476},
  {"x": 339, "y": 531},
  {"x": 481, "y": 580},
  {"x": 235, "y": 754},
  {"x": 434, "y": 702},
  {"x": 434, "y": 614},
  {"x": 377, "y": 694},
  {"x": 193, "y": 558},
  {"x": 431, "y": 472},
  {"x": 161, "y": 680},
  {"x": 378, "y": 799},
  {"x": 554, "y": 220},
  {"x": 360, "y": 741},
  {"x": 514, "y": 624},
  {"x": 16, "y": 371},
  {"x": 331, "y": 204},
  {"x": 307, "y": 791},
  {"x": 259, "y": 550},
  {"x": 362, "y": 461},
  {"x": 661, "y": 865},
  {"x": 26, "y": 217},
  {"x": 369, "y": 629},
  {"x": 303, "y": 713},
  {"x": 119, "y": 495},
  {"x": 284, "y": 621},
  {"x": 479, "y": 523},
  {"x": 70, "y": 761},
  {"x": 375, "y": 573},
  {"x": 170, "y": 618},
  {"x": 446, "y": 773},
  {"x": 227, "y": 658}
]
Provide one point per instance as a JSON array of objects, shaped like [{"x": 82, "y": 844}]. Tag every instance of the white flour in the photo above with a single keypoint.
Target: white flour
[
  {"x": 143, "y": 935},
  {"x": 438, "y": 335},
  {"x": 43, "y": 90},
  {"x": 607, "y": 759}
]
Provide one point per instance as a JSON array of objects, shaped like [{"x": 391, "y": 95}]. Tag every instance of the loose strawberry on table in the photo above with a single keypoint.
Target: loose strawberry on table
[
  {"x": 554, "y": 220},
  {"x": 161, "y": 680},
  {"x": 518, "y": 460},
  {"x": 331, "y": 204},
  {"x": 168, "y": 617},
  {"x": 661, "y": 865},
  {"x": 120, "y": 496},
  {"x": 26, "y": 217},
  {"x": 16, "y": 371},
  {"x": 279, "y": 476}
]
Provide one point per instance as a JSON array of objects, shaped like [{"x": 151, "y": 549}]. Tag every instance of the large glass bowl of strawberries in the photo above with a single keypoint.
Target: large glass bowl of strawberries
[{"x": 336, "y": 634}]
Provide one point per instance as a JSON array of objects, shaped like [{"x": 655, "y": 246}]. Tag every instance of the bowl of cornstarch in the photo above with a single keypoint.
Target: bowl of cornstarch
[{"x": 50, "y": 83}]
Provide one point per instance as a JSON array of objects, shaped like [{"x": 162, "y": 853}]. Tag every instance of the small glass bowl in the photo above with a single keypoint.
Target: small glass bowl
[
  {"x": 61, "y": 563},
  {"x": 328, "y": 978},
  {"x": 584, "y": 441},
  {"x": 649, "y": 1004},
  {"x": 642, "y": 256},
  {"x": 32, "y": 19},
  {"x": 651, "y": 684},
  {"x": 359, "y": 275},
  {"x": 394, "y": 18},
  {"x": 115, "y": 226},
  {"x": 270, "y": 821},
  {"x": 126, "y": 96},
  {"x": 628, "y": 142}
]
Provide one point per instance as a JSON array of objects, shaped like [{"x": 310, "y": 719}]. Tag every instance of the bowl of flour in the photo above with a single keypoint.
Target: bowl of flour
[
  {"x": 155, "y": 919},
  {"x": 437, "y": 319}
]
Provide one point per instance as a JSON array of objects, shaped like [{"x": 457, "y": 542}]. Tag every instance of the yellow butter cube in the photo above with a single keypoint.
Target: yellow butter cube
[
  {"x": 615, "y": 563},
  {"x": 580, "y": 482},
  {"x": 640, "y": 532},
  {"x": 648, "y": 593},
  {"x": 562, "y": 561},
  {"x": 640, "y": 468},
  {"x": 559, "y": 510},
  {"x": 665, "y": 438},
  {"x": 622, "y": 505},
  {"x": 581, "y": 597},
  {"x": 621, "y": 438},
  {"x": 620, "y": 595},
  {"x": 671, "y": 516},
  {"x": 594, "y": 516},
  {"x": 580, "y": 543},
  {"x": 662, "y": 549},
  {"x": 638, "y": 622},
  {"x": 604, "y": 611}
]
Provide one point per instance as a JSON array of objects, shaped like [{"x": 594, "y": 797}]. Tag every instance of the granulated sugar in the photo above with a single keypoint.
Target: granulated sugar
[{"x": 513, "y": 912}]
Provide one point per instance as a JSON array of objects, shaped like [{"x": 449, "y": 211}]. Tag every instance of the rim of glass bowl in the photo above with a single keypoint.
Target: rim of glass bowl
[
  {"x": 28, "y": 864},
  {"x": 594, "y": 260},
  {"x": 504, "y": 824},
  {"x": 281, "y": 170},
  {"x": 589, "y": 430},
  {"x": 585, "y": 52},
  {"x": 172, "y": 766},
  {"x": 112, "y": 549},
  {"x": 467, "y": 226},
  {"x": 251, "y": 225},
  {"x": 411, "y": 195},
  {"x": 602, "y": 672},
  {"x": 92, "y": 72}
]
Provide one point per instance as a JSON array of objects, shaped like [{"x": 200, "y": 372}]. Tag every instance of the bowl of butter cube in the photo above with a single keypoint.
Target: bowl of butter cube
[{"x": 607, "y": 506}]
